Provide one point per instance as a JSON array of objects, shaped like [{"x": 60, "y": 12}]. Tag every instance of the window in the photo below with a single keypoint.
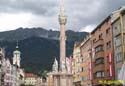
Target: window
[
  {"x": 82, "y": 78},
  {"x": 82, "y": 69},
  {"x": 80, "y": 60},
  {"x": 116, "y": 29},
  {"x": 108, "y": 31},
  {"x": 98, "y": 48},
  {"x": 108, "y": 44},
  {"x": 119, "y": 57},
  {"x": 79, "y": 69},
  {"x": 117, "y": 41},
  {"x": 1, "y": 56},
  {"x": 99, "y": 61},
  {"x": 118, "y": 71},
  {"x": 99, "y": 74},
  {"x": 100, "y": 36},
  {"x": 8, "y": 71},
  {"x": 94, "y": 41}
]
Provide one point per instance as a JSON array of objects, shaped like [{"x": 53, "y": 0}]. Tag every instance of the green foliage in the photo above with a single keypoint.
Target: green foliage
[{"x": 43, "y": 74}]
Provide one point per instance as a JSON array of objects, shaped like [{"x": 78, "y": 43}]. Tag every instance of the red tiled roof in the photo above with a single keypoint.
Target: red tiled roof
[{"x": 28, "y": 75}]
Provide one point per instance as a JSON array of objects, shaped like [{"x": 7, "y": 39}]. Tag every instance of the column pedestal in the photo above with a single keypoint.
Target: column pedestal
[{"x": 60, "y": 79}]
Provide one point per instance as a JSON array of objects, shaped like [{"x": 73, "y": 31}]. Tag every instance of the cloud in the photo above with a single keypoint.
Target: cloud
[
  {"x": 88, "y": 28},
  {"x": 84, "y": 13},
  {"x": 13, "y": 21},
  {"x": 44, "y": 13},
  {"x": 43, "y": 7},
  {"x": 16, "y": 20}
]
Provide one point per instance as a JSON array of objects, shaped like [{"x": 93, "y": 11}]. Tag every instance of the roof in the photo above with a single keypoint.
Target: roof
[
  {"x": 85, "y": 40},
  {"x": 17, "y": 51},
  {"x": 77, "y": 44},
  {"x": 121, "y": 9},
  {"x": 106, "y": 19},
  {"x": 30, "y": 75}
]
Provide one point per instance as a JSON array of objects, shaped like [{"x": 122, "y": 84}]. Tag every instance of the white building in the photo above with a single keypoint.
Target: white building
[
  {"x": 14, "y": 72},
  {"x": 31, "y": 79},
  {"x": 13, "y": 75},
  {"x": 8, "y": 74},
  {"x": 16, "y": 57},
  {"x": 19, "y": 73}
]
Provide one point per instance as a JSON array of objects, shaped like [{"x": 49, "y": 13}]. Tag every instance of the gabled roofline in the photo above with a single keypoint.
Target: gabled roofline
[{"x": 106, "y": 19}]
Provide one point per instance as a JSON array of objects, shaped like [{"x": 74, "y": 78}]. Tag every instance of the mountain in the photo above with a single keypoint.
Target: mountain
[
  {"x": 23, "y": 33},
  {"x": 38, "y": 46}
]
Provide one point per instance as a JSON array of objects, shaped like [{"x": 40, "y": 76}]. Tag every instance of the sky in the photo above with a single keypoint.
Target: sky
[{"x": 82, "y": 15}]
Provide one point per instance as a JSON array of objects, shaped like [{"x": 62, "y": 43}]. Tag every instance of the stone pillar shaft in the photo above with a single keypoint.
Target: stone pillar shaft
[{"x": 62, "y": 47}]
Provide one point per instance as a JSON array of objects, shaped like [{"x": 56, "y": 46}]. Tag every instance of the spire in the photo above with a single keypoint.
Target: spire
[
  {"x": 17, "y": 47},
  {"x": 62, "y": 10},
  {"x": 16, "y": 56}
]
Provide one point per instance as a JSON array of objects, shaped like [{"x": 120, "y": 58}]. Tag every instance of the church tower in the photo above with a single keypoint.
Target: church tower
[
  {"x": 62, "y": 22},
  {"x": 16, "y": 56}
]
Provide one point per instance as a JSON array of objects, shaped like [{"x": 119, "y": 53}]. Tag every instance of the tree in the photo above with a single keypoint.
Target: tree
[{"x": 43, "y": 74}]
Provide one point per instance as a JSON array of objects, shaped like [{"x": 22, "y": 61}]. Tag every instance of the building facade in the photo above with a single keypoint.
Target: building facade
[
  {"x": 16, "y": 57},
  {"x": 10, "y": 74},
  {"x": 102, "y": 58},
  {"x": 14, "y": 75},
  {"x": 17, "y": 73},
  {"x": 86, "y": 59},
  {"x": 30, "y": 79},
  {"x": 2, "y": 66},
  {"x": 118, "y": 26},
  {"x": 76, "y": 65},
  {"x": 99, "y": 59}
]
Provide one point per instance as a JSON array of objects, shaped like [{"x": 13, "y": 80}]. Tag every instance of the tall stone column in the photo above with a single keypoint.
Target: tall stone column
[
  {"x": 62, "y": 75},
  {"x": 62, "y": 22}
]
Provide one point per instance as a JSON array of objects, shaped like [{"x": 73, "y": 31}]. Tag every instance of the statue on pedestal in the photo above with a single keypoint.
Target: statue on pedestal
[
  {"x": 63, "y": 66},
  {"x": 55, "y": 66}
]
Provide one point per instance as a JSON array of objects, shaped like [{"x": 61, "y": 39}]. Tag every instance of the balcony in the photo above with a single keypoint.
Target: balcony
[
  {"x": 99, "y": 67},
  {"x": 99, "y": 42},
  {"x": 99, "y": 61},
  {"x": 99, "y": 54}
]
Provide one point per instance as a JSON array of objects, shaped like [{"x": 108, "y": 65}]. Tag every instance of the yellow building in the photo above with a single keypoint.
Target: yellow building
[
  {"x": 76, "y": 65},
  {"x": 30, "y": 79}
]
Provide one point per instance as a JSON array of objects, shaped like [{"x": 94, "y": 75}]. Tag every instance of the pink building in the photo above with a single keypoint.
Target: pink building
[{"x": 8, "y": 74}]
